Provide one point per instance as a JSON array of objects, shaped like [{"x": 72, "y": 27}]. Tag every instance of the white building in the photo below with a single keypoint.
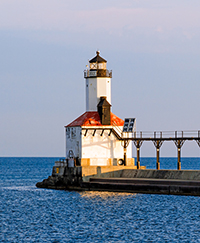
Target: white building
[{"x": 93, "y": 139}]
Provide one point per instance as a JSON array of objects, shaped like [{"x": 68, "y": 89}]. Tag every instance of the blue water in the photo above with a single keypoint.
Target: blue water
[
  {"x": 171, "y": 163},
  {"x": 28, "y": 214}
]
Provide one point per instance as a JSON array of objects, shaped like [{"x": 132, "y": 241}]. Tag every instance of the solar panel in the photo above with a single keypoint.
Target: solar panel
[{"x": 129, "y": 124}]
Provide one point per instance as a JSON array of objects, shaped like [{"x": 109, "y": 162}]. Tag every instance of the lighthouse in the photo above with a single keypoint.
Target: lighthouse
[{"x": 93, "y": 139}]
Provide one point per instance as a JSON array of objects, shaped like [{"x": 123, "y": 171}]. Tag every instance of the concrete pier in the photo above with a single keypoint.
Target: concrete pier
[{"x": 124, "y": 179}]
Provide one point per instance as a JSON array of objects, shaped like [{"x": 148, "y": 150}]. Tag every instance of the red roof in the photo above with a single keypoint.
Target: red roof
[{"x": 92, "y": 118}]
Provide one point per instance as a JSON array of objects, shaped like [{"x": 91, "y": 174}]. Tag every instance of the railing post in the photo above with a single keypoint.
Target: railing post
[
  {"x": 138, "y": 144},
  {"x": 125, "y": 146},
  {"x": 138, "y": 158},
  {"x": 158, "y": 162},
  {"x": 125, "y": 156},
  {"x": 179, "y": 159},
  {"x": 179, "y": 143},
  {"x": 158, "y": 144},
  {"x": 198, "y": 141}
]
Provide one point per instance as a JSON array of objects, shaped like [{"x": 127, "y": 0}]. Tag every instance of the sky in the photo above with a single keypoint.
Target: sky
[{"x": 152, "y": 48}]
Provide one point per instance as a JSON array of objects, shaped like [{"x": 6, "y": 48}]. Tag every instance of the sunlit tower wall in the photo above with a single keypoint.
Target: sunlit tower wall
[{"x": 97, "y": 81}]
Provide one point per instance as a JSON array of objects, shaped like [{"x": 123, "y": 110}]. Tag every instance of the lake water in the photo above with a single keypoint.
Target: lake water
[{"x": 29, "y": 214}]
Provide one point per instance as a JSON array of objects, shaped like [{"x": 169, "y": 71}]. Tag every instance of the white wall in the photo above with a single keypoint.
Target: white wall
[
  {"x": 95, "y": 88},
  {"x": 104, "y": 88},
  {"x": 103, "y": 146},
  {"x": 73, "y": 141},
  {"x": 97, "y": 148},
  {"x": 91, "y": 94}
]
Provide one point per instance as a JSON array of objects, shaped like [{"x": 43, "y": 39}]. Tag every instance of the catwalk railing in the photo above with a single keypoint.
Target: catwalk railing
[
  {"x": 164, "y": 135},
  {"x": 178, "y": 137}
]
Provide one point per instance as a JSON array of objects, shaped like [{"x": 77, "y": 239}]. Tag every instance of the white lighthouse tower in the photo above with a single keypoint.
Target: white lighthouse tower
[{"x": 98, "y": 82}]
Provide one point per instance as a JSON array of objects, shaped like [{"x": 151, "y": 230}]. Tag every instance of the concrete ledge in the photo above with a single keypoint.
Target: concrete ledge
[
  {"x": 139, "y": 188},
  {"x": 162, "y": 174},
  {"x": 143, "y": 181},
  {"x": 105, "y": 171}
]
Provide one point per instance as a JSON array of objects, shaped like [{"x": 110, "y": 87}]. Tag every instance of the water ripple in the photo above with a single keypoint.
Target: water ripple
[{"x": 29, "y": 214}]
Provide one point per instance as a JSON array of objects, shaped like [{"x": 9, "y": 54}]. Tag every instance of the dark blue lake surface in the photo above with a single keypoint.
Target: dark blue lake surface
[{"x": 28, "y": 214}]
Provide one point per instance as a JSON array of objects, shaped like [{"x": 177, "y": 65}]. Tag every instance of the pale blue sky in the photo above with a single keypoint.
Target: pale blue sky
[{"x": 151, "y": 46}]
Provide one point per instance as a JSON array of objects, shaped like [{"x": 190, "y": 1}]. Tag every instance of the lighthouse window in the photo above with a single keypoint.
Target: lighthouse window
[
  {"x": 73, "y": 132},
  {"x": 68, "y": 132},
  {"x": 100, "y": 65}
]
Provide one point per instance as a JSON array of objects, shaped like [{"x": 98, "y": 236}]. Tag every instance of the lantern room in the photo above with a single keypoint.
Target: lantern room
[{"x": 97, "y": 62}]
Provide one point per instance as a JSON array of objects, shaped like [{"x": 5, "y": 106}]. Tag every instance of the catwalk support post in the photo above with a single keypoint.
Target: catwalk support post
[{"x": 138, "y": 144}]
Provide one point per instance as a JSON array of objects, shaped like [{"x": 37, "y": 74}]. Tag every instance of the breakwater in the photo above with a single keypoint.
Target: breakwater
[{"x": 123, "y": 179}]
